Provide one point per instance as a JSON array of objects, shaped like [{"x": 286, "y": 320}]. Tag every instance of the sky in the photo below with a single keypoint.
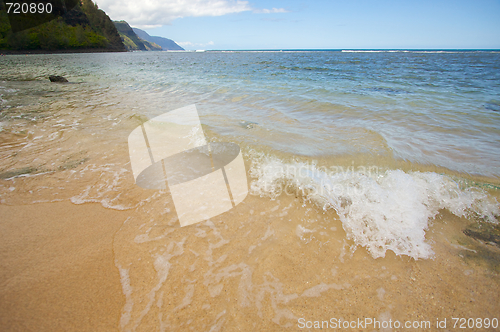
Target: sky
[{"x": 315, "y": 24}]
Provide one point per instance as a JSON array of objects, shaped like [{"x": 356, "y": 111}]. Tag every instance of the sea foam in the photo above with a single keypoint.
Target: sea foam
[{"x": 389, "y": 210}]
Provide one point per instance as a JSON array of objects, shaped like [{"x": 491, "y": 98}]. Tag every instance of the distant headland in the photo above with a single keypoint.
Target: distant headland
[{"x": 139, "y": 40}]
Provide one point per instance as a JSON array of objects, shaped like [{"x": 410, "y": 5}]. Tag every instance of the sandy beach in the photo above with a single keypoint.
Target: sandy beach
[
  {"x": 57, "y": 268},
  {"x": 358, "y": 206},
  {"x": 59, "y": 273}
]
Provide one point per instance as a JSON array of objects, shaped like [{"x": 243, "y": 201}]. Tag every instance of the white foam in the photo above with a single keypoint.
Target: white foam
[
  {"x": 386, "y": 211},
  {"x": 409, "y": 51},
  {"x": 127, "y": 291},
  {"x": 316, "y": 291},
  {"x": 301, "y": 231},
  {"x": 219, "y": 322},
  {"x": 162, "y": 266},
  {"x": 187, "y": 299},
  {"x": 106, "y": 188},
  {"x": 380, "y": 293}
]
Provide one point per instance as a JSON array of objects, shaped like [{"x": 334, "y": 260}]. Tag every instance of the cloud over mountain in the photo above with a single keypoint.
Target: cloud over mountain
[{"x": 150, "y": 13}]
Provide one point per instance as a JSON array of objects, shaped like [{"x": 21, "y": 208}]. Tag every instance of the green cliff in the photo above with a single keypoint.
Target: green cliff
[
  {"x": 165, "y": 43},
  {"x": 131, "y": 41},
  {"x": 85, "y": 27}
]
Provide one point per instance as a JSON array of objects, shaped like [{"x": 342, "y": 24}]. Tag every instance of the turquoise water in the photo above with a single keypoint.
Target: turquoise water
[
  {"x": 352, "y": 159},
  {"x": 427, "y": 107}
]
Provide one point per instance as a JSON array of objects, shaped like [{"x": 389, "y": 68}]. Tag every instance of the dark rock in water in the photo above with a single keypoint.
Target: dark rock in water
[
  {"x": 58, "y": 79},
  {"x": 17, "y": 172},
  {"x": 484, "y": 231},
  {"x": 492, "y": 107}
]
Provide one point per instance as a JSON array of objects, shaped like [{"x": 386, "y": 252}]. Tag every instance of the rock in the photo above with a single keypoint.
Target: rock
[
  {"x": 484, "y": 231},
  {"x": 58, "y": 79}
]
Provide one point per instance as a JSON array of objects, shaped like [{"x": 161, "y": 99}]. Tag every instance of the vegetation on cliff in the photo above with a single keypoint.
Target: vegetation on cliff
[
  {"x": 83, "y": 27},
  {"x": 165, "y": 43},
  {"x": 131, "y": 41}
]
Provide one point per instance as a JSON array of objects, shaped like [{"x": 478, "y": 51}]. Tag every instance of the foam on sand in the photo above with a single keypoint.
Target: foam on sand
[{"x": 390, "y": 210}]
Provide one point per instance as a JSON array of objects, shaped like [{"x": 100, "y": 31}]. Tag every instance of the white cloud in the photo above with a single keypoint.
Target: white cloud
[
  {"x": 163, "y": 12},
  {"x": 192, "y": 46},
  {"x": 270, "y": 11},
  {"x": 154, "y": 13}
]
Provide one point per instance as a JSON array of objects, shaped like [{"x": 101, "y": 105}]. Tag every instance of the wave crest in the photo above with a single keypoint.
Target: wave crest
[{"x": 389, "y": 210}]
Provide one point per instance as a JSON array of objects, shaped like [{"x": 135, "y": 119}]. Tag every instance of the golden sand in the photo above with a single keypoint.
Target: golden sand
[
  {"x": 262, "y": 266},
  {"x": 57, "y": 270},
  {"x": 60, "y": 272}
]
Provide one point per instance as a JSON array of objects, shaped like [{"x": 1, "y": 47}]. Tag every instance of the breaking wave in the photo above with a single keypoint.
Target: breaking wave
[{"x": 379, "y": 210}]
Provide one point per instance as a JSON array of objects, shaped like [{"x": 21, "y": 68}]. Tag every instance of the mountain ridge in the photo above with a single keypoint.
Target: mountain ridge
[
  {"x": 133, "y": 42},
  {"x": 165, "y": 43}
]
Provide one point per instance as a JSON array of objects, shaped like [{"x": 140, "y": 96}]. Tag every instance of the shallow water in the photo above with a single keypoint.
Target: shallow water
[
  {"x": 363, "y": 170},
  {"x": 430, "y": 108}
]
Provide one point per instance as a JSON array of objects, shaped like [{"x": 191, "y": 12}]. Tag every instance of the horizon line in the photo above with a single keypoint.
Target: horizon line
[{"x": 346, "y": 49}]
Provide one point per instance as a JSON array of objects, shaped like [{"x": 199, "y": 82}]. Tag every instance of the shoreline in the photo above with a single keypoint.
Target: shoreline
[{"x": 61, "y": 51}]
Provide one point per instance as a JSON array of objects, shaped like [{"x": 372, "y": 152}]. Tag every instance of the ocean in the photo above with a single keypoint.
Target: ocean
[{"x": 364, "y": 168}]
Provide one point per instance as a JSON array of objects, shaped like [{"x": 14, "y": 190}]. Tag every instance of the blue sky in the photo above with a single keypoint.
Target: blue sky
[{"x": 297, "y": 24}]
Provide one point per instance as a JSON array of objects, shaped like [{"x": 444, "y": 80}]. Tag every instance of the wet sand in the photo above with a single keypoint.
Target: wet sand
[
  {"x": 60, "y": 272},
  {"x": 57, "y": 268},
  {"x": 261, "y": 266},
  {"x": 252, "y": 269}
]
